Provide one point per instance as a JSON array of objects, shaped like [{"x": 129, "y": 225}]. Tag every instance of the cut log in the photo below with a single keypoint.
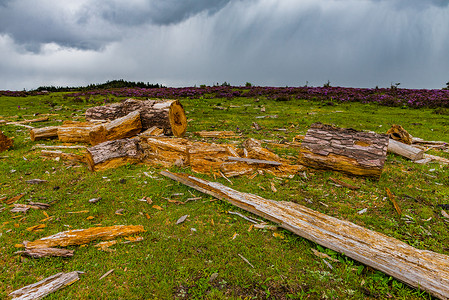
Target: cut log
[
  {"x": 399, "y": 134},
  {"x": 46, "y": 286},
  {"x": 5, "y": 142},
  {"x": 168, "y": 115},
  {"x": 346, "y": 150},
  {"x": 84, "y": 236},
  {"x": 46, "y": 252},
  {"x": 75, "y": 132},
  {"x": 113, "y": 154},
  {"x": 50, "y": 132},
  {"x": 421, "y": 269},
  {"x": 124, "y": 127},
  {"x": 405, "y": 150}
]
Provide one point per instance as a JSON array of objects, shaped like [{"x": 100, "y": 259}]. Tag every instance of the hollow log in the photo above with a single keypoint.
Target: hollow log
[
  {"x": 49, "y": 132},
  {"x": 405, "y": 150},
  {"x": 5, "y": 142},
  {"x": 120, "y": 128},
  {"x": 421, "y": 269},
  {"x": 84, "y": 236},
  {"x": 46, "y": 286},
  {"x": 112, "y": 154},
  {"x": 168, "y": 115},
  {"x": 346, "y": 150}
]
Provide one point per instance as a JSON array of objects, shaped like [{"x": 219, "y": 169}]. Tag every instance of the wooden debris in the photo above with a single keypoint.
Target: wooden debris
[
  {"x": 75, "y": 132},
  {"x": 46, "y": 286},
  {"x": 36, "y": 227},
  {"x": 104, "y": 246},
  {"x": 245, "y": 260},
  {"x": 345, "y": 150},
  {"x": 182, "y": 219},
  {"x": 256, "y": 126},
  {"x": 35, "y": 181},
  {"x": 435, "y": 158},
  {"x": 393, "y": 200},
  {"x": 243, "y": 217},
  {"x": 168, "y": 115},
  {"x": 120, "y": 128},
  {"x": 63, "y": 155},
  {"x": 45, "y": 252},
  {"x": 323, "y": 255},
  {"x": 251, "y": 161},
  {"x": 5, "y": 142},
  {"x": 397, "y": 133},
  {"x": 14, "y": 199},
  {"x": 84, "y": 236},
  {"x": 216, "y": 134},
  {"x": 153, "y": 131},
  {"x": 405, "y": 150},
  {"x": 423, "y": 269},
  {"x": 106, "y": 274},
  {"x": 43, "y": 119},
  {"x": 42, "y": 146},
  {"x": 342, "y": 183},
  {"x": 50, "y": 132},
  {"x": 112, "y": 154}
]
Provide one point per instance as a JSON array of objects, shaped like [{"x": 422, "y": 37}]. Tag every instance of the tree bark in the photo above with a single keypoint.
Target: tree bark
[
  {"x": 421, "y": 269},
  {"x": 405, "y": 150},
  {"x": 5, "y": 142},
  {"x": 44, "y": 133},
  {"x": 398, "y": 133},
  {"x": 112, "y": 154},
  {"x": 345, "y": 150},
  {"x": 124, "y": 127},
  {"x": 168, "y": 115}
]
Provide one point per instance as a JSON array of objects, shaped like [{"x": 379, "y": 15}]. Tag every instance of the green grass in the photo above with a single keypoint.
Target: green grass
[{"x": 199, "y": 259}]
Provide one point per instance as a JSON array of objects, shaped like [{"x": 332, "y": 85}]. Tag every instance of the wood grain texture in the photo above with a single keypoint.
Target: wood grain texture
[
  {"x": 49, "y": 132},
  {"x": 421, "y": 269},
  {"x": 120, "y": 128},
  {"x": 346, "y": 150},
  {"x": 405, "y": 150}
]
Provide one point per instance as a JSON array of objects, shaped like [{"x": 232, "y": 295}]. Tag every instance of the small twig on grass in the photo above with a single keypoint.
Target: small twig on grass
[
  {"x": 391, "y": 197},
  {"x": 244, "y": 217},
  {"x": 245, "y": 260},
  {"x": 106, "y": 274}
]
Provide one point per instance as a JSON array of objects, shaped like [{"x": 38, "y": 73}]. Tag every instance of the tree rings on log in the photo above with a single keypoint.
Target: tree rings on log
[
  {"x": 346, "y": 150},
  {"x": 168, "y": 115}
]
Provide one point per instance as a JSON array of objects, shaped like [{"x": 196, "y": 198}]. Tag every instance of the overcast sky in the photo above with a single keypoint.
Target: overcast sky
[{"x": 353, "y": 43}]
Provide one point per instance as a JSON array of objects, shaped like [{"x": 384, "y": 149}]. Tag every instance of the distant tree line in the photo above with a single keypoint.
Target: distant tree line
[{"x": 114, "y": 84}]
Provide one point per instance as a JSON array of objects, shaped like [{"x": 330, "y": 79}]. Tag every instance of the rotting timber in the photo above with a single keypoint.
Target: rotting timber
[{"x": 421, "y": 269}]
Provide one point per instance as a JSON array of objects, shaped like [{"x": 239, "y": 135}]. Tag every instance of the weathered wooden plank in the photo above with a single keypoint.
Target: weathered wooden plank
[
  {"x": 421, "y": 269},
  {"x": 45, "y": 287},
  {"x": 83, "y": 236}
]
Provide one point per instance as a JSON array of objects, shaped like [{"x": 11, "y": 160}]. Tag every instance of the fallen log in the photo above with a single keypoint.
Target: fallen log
[
  {"x": 46, "y": 286},
  {"x": 405, "y": 150},
  {"x": 124, "y": 127},
  {"x": 46, "y": 252},
  {"x": 84, "y": 236},
  {"x": 113, "y": 154},
  {"x": 5, "y": 142},
  {"x": 75, "y": 132},
  {"x": 346, "y": 150},
  {"x": 49, "y": 132},
  {"x": 168, "y": 115},
  {"x": 421, "y": 269}
]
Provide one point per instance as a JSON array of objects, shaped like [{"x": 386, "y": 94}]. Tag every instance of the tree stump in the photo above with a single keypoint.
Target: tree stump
[
  {"x": 5, "y": 142},
  {"x": 346, "y": 150},
  {"x": 112, "y": 154},
  {"x": 168, "y": 115}
]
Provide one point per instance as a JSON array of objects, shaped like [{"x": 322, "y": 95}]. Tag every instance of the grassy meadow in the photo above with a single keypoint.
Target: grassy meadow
[{"x": 201, "y": 258}]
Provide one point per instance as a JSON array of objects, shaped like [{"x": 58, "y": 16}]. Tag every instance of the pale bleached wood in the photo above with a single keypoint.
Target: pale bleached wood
[
  {"x": 251, "y": 161},
  {"x": 84, "y": 236},
  {"x": 45, "y": 252},
  {"x": 405, "y": 150},
  {"x": 45, "y": 287},
  {"x": 49, "y": 132},
  {"x": 421, "y": 269}
]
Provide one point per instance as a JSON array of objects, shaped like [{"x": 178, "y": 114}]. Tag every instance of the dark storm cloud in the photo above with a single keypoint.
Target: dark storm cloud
[{"x": 90, "y": 24}]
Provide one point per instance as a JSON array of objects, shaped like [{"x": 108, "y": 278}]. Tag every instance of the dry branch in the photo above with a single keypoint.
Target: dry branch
[
  {"x": 421, "y": 269},
  {"x": 45, "y": 287},
  {"x": 345, "y": 150},
  {"x": 45, "y": 252},
  {"x": 83, "y": 236}
]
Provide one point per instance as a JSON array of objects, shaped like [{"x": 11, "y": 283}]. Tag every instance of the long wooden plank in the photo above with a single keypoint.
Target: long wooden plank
[{"x": 421, "y": 269}]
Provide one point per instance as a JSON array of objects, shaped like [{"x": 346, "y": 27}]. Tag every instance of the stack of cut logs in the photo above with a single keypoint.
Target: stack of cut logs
[{"x": 137, "y": 131}]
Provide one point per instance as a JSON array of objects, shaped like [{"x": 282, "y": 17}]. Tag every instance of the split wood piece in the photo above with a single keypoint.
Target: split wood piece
[
  {"x": 168, "y": 115},
  {"x": 217, "y": 134},
  {"x": 124, "y": 127},
  {"x": 45, "y": 252},
  {"x": 153, "y": 131},
  {"x": 346, "y": 150},
  {"x": 342, "y": 183},
  {"x": 113, "y": 154},
  {"x": 421, "y": 269},
  {"x": 405, "y": 150},
  {"x": 253, "y": 149},
  {"x": 436, "y": 158},
  {"x": 84, "y": 236},
  {"x": 50, "y": 132},
  {"x": 251, "y": 161},
  {"x": 5, "y": 142},
  {"x": 46, "y": 286},
  {"x": 63, "y": 155},
  {"x": 420, "y": 141},
  {"x": 75, "y": 132},
  {"x": 43, "y": 119},
  {"x": 393, "y": 200},
  {"x": 399, "y": 134},
  {"x": 42, "y": 146}
]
